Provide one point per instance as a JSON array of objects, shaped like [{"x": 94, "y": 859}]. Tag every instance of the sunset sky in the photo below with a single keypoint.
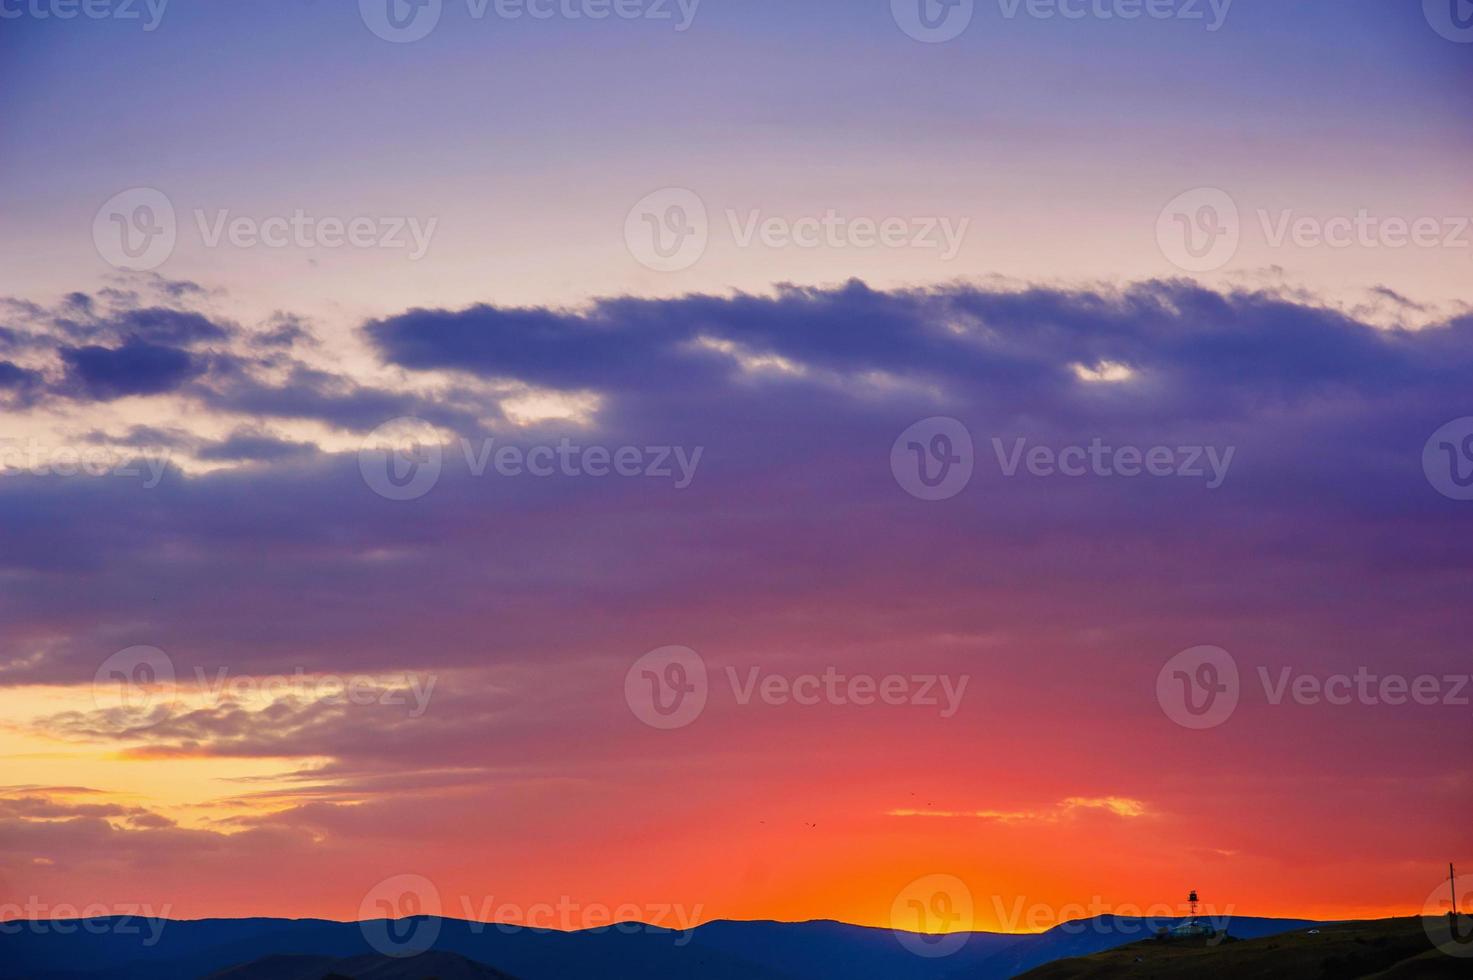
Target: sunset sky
[{"x": 198, "y": 483}]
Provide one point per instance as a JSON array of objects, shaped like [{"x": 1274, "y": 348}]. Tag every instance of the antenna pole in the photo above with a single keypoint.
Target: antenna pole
[{"x": 1452, "y": 884}]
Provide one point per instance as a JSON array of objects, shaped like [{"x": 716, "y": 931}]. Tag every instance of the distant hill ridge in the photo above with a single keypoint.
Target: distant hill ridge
[{"x": 719, "y": 950}]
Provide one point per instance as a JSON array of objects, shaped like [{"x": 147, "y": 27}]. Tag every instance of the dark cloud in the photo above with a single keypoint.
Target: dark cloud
[
  {"x": 1024, "y": 342},
  {"x": 22, "y": 308},
  {"x": 145, "y": 437},
  {"x": 247, "y": 446},
  {"x": 136, "y": 368},
  {"x": 174, "y": 288},
  {"x": 131, "y": 285},
  {"x": 45, "y": 807},
  {"x": 535, "y": 345},
  {"x": 124, "y": 343},
  {"x": 180, "y": 328},
  {"x": 13, "y": 376},
  {"x": 364, "y": 725},
  {"x": 309, "y": 393},
  {"x": 78, "y": 302},
  {"x": 1386, "y": 292},
  {"x": 284, "y": 330}
]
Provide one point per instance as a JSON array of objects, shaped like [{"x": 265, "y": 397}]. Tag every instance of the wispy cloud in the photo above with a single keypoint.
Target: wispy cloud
[{"x": 1119, "y": 806}]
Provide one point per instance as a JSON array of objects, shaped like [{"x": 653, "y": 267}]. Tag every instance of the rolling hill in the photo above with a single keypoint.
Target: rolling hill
[{"x": 1386, "y": 949}]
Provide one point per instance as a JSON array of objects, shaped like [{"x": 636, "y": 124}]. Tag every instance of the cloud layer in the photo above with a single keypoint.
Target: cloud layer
[{"x": 264, "y": 550}]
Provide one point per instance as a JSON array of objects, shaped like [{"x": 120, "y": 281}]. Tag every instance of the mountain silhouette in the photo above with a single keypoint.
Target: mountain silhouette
[
  {"x": 121, "y": 949},
  {"x": 426, "y": 966}
]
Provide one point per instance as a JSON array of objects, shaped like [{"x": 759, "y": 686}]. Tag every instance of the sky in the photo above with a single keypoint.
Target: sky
[{"x": 734, "y": 460}]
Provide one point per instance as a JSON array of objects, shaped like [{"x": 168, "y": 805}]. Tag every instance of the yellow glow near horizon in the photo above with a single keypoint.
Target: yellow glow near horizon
[{"x": 194, "y": 791}]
